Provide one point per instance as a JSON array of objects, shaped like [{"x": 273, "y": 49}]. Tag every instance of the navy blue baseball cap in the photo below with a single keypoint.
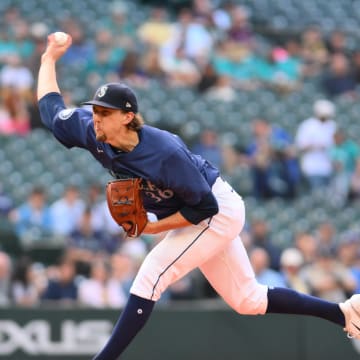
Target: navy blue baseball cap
[{"x": 115, "y": 96}]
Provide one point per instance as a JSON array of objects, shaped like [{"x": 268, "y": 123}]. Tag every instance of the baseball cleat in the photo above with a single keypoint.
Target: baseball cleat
[{"x": 351, "y": 310}]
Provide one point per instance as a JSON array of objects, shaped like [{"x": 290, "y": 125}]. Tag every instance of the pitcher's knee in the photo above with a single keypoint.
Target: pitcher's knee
[
  {"x": 146, "y": 288},
  {"x": 152, "y": 285},
  {"x": 252, "y": 301}
]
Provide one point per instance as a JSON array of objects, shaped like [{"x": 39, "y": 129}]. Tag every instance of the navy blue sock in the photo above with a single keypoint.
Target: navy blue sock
[
  {"x": 288, "y": 301},
  {"x": 132, "y": 319}
]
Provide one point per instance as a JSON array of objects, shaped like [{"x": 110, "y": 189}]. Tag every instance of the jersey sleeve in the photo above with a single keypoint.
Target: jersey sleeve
[
  {"x": 180, "y": 173},
  {"x": 69, "y": 125}
]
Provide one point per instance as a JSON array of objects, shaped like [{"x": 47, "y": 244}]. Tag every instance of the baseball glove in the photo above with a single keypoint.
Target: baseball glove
[{"x": 126, "y": 206}]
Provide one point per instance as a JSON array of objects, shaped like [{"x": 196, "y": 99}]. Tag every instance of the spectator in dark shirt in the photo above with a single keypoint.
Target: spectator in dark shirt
[
  {"x": 85, "y": 243},
  {"x": 273, "y": 161},
  {"x": 261, "y": 239},
  {"x": 339, "y": 80},
  {"x": 62, "y": 287},
  {"x": 208, "y": 78},
  {"x": 337, "y": 43}
]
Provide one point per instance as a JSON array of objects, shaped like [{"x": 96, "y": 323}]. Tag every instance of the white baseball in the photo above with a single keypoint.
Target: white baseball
[{"x": 60, "y": 37}]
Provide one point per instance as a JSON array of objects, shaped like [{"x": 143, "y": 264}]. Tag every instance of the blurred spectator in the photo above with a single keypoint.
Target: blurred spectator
[
  {"x": 191, "y": 36},
  {"x": 84, "y": 242},
  {"x": 179, "y": 70},
  {"x": 119, "y": 24},
  {"x": 222, "y": 90},
  {"x": 240, "y": 33},
  {"x": 32, "y": 219},
  {"x": 101, "y": 219},
  {"x": 10, "y": 17},
  {"x": 202, "y": 8},
  {"x": 68, "y": 99},
  {"x": 337, "y": 43},
  {"x": 232, "y": 154},
  {"x": 62, "y": 286},
  {"x": 103, "y": 65},
  {"x": 22, "y": 38},
  {"x": 328, "y": 278},
  {"x": 260, "y": 262},
  {"x": 230, "y": 60},
  {"x": 209, "y": 147},
  {"x": 94, "y": 195},
  {"x": 344, "y": 155},
  {"x": 273, "y": 161},
  {"x": 7, "y": 47},
  {"x": 138, "y": 248},
  {"x": 104, "y": 41},
  {"x": 339, "y": 79},
  {"x": 157, "y": 29},
  {"x": 100, "y": 290},
  {"x": 24, "y": 290},
  {"x": 67, "y": 211},
  {"x": 282, "y": 69},
  {"x": 151, "y": 65},
  {"x": 325, "y": 235},
  {"x": 39, "y": 277},
  {"x": 313, "y": 51},
  {"x": 14, "y": 115},
  {"x": 100, "y": 68},
  {"x": 347, "y": 251},
  {"x": 208, "y": 78},
  {"x": 5, "y": 278},
  {"x": 81, "y": 50},
  {"x": 123, "y": 270},
  {"x": 130, "y": 71},
  {"x": 15, "y": 75},
  {"x": 308, "y": 246},
  {"x": 261, "y": 238},
  {"x": 291, "y": 262},
  {"x": 314, "y": 139}
]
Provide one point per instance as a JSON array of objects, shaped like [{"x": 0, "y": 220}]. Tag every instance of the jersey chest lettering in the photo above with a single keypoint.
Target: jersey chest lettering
[{"x": 154, "y": 193}]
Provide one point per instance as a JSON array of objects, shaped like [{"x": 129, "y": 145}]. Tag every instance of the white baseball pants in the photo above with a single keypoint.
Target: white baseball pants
[{"x": 215, "y": 247}]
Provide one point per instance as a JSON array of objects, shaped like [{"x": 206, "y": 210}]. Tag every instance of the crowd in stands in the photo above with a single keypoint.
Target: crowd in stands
[
  {"x": 96, "y": 263},
  {"x": 214, "y": 50},
  {"x": 218, "y": 53}
]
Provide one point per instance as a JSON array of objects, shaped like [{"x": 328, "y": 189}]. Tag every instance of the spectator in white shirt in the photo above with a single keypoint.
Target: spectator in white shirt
[
  {"x": 190, "y": 34},
  {"x": 314, "y": 138},
  {"x": 15, "y": 75},
  {"x": 100, "y": 290}
]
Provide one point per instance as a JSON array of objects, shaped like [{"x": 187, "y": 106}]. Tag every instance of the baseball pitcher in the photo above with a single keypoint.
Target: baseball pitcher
[{"x": 200, "y": 212}]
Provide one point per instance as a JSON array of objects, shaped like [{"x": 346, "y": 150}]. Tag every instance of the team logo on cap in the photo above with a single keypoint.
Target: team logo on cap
[
  {"x": 102, "y": 91},
  {"x": 128, "y": 105}
]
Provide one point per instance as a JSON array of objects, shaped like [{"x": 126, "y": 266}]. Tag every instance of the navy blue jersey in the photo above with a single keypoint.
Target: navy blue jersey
[{"x": 173, "y": 177}]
